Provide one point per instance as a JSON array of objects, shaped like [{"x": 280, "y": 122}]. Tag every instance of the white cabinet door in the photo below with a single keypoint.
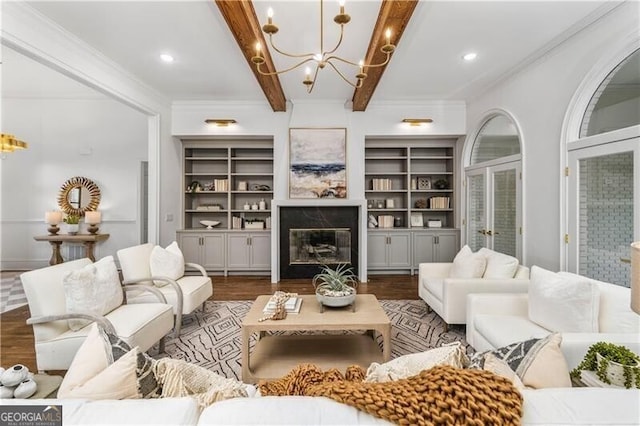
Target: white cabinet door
[
  {"x": 238, "y": 251},
  {"x": 377, "y": 250},
  {"x": 213, "y": 250},
  {"x": 447, "y": 246},
  {"x": 399, "y": 250},
  {"x": 190, "y": 246},
  {"x": 423, "y": 248},
  {"x": 260, "y": 251}
]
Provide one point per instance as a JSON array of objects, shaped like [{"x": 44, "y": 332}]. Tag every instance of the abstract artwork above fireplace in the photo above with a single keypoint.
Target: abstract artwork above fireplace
[{"x": 317, "y": 163}]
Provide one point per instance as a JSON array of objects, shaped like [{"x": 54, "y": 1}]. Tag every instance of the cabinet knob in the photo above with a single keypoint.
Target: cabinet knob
[{"x": 482, "y": 231}]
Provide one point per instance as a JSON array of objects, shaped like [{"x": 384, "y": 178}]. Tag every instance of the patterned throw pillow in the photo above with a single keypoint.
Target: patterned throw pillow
[
  {"x": 148, "y": 386},
  {"x": 539, "y": 363}
]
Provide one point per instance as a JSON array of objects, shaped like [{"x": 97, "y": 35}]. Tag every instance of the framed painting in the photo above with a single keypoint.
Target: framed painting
[{"x": 317, "y": 163}]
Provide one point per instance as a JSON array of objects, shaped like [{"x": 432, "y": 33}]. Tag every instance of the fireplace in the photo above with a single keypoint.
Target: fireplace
[{"x": 314, "y": 236}]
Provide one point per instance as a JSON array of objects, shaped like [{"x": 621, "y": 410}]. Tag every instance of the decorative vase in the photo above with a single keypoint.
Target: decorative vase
[
  {"x": 72, "y": 228},
  {"x": 25, "y": 389},
  {"x": 615, "y": 371},
  {"x": 14, "y": 375}
]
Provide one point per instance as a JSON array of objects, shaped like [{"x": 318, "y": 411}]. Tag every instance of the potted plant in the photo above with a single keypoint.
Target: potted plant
[
  {"x": 72, "y": 222},
  {"x": 335, "y": 287},
  {"x": 613, "y": 364}
]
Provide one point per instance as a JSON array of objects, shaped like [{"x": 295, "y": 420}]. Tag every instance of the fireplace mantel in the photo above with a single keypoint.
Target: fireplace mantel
[{"x": 323, "y": 203}]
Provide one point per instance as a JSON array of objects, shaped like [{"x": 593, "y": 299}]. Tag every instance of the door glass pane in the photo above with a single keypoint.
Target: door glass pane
[
  {"x": 477, "y": 211},
  {"x": 504, "y": 212},
  {"x": 605, "y": 211}
]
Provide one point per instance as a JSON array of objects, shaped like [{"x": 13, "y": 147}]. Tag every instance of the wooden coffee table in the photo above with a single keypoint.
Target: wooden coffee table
[{"x": 275, "y": 355}]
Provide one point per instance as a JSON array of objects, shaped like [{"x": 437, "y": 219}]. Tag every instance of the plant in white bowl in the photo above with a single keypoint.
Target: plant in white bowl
[
  {"x": 335, "y": 287},
  {"x": 613, "y": 364}
]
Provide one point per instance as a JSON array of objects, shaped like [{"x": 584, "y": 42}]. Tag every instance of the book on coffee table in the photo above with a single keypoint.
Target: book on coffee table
[{"x": 291, "y": 306}]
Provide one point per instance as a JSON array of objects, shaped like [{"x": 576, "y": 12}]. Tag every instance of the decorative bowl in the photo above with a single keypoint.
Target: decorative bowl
[{"x": 209, "y": 223}]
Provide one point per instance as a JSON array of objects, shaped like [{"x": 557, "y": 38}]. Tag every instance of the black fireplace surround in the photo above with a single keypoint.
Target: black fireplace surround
[{"x": 330, "y": 217}]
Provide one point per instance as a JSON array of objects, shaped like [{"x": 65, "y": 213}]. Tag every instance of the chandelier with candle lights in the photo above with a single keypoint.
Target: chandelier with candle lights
[{"x": 323, "y": 57}]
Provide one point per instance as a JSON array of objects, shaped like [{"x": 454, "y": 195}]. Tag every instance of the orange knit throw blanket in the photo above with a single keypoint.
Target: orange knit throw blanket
[{"x": 442, "y": 395}]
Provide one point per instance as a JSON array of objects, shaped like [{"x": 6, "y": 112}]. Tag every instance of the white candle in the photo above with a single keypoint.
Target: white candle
[
  {"x": 53, "y": 217},
  {"x": 92, "y": 218}
]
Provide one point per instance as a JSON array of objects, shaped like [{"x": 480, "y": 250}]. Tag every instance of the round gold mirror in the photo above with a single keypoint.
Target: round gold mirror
[{"x": 79, "y": 195}]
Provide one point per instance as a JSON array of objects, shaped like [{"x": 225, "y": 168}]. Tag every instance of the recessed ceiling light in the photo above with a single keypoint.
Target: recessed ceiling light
[
  {"x": 165, "y": 57},
  {"x": 470, "y": 56}
]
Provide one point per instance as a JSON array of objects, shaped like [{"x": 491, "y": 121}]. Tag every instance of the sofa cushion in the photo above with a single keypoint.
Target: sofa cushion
[
  {"x": 167, "y": 262},
  {"x": 538, "y": 362},
  {"x": 502, "y": 330},
  {"x": 94, "y": 289},
  {"x": 291, "y": 410},
  {"x": 561, "y": 303},
  {"x": 615, "y": 314},
  {"x": 581, "y": 406},
  {"x": 499, "y": 265},
  {"x": 467, "y": 264},
  {"x": 409, "y": 365}
]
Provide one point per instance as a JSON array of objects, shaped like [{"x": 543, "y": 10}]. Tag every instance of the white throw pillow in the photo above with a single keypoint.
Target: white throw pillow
[
  {"x": 499, "y": 265},
  {"x": 563, "y": 304},
  {"x": 409, "y": 365},
  {"x": 167, "y": 262},
  {"x": 467, "y": 264},
  {"x": 94, "y": 289}
]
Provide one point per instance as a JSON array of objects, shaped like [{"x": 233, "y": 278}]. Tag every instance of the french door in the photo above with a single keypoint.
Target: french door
[
  {"x": 494, "y": 212},
  {"x": 604, "y": 212}
]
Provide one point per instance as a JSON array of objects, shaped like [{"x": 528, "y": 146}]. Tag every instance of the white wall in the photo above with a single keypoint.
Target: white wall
[
  {"x": 538, "y": 97},
  {"x": 100, "y": 139}
]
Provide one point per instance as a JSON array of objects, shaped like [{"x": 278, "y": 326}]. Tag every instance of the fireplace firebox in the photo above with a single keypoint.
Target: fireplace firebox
[{"x": 314, "y": 236}]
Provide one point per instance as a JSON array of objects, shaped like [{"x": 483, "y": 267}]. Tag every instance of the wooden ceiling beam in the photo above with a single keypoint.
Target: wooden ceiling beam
[
  {"x": 243, "y": 23},
  {"x": 394, "y": 14}
]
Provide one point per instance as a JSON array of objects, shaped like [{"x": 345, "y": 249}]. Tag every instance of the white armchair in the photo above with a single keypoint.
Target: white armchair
[
  {"x": 56, "y": 344},
  {"x": 448, "y": 296},
  {"x": 185, "y": 293}
]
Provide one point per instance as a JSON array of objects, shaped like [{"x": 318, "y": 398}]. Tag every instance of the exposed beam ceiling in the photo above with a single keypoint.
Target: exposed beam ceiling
[
  {"x": 394, "y": 14},
  {"x": 243, "y": 23}
]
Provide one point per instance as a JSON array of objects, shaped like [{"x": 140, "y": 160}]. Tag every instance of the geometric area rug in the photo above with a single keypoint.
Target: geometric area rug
[{"x": 212, "y": 338}]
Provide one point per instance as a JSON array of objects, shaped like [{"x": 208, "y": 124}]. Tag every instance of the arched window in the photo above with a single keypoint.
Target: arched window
[
  {"x": 616, "y": 102},
  {"x": 497, "y": 138},
  {"x": 493, "y": 187}
]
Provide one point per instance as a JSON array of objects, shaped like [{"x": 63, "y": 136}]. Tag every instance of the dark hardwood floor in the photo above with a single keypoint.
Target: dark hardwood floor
[{"x": 16, "y": 337}]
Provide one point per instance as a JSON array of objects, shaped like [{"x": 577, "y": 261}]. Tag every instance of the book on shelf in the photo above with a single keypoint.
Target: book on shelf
[
  {"x": 439, "y": 202},
  {"x": 385, "y": 221},
  {"x": 291, "y": 306},
  {"x": 379, "y": 184}
]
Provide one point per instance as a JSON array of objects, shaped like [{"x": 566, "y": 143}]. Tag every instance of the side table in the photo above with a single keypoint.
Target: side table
[{"x": 88, "y": 240}]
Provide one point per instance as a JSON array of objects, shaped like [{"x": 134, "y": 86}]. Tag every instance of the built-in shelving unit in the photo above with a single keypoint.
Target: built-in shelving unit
[
  {"x": 409, "y": 183},
  {"x": 230, "y": 183}
]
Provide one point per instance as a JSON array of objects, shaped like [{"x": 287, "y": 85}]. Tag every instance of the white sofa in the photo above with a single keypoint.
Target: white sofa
[
  {"x": 556, "y": 406},
  {"x": 496, "y": 320},
  {"x": 448, "y": 296}
]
